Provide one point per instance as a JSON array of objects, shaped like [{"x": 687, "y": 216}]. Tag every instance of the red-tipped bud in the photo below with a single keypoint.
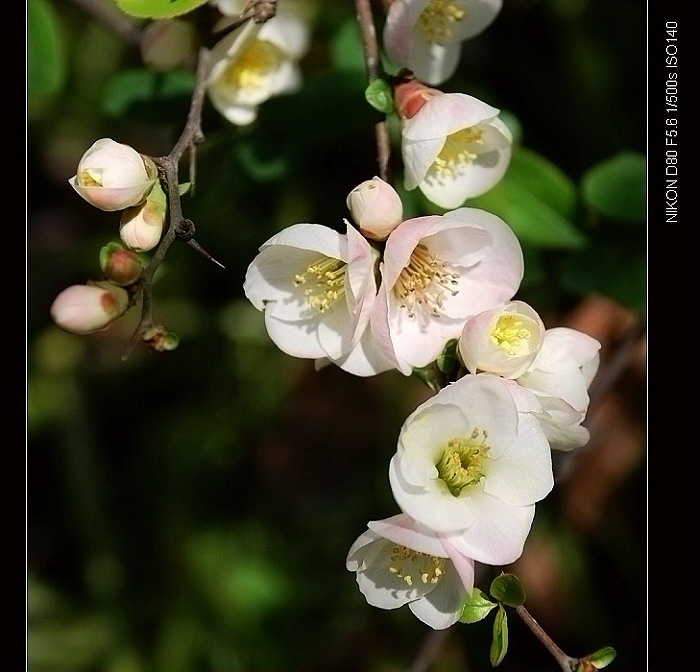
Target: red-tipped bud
[
  {"x": 121, "y": 266},
  {"x": 410, "y": 96}
]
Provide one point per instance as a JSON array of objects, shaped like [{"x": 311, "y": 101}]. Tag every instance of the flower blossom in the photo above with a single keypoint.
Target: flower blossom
[
  {"x": 471, "y": 464},
  {"x": 439, "y": 270},
  {"x": 399, "y": 561},
  {"x": 376, "y": 208},
  {"x": 255, "y": 62},
  {"x": 454, "y": 146},
  {"x": 316, "y": 288},
  {"x": 426, "y": 36},
  {"x": 141, "y": 227},
  {"x": 82, "y": 309},
  {"x": 112, "y": 176},
  {"x": 504, "y": 340}
]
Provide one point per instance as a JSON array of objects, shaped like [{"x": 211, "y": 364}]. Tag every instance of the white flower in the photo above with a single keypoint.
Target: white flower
[
  {"x": 503, "y": 340},
  {"x": 254, "y": 63},
  {"x": 559, "y": 379},
  {"x": 112, "y": 176},
  {"x": 438, "y": 271},
  {"x": 454, "y": 146},
  {"x": 316, "y": 288},
  {"x": 141, "y": 227},
  {"x": 399, "y": 561},
  {"x": 376, "y": 208},
  {"x": 426, "y": 36},
  {"x": 82, "y": 309},
  {"x": 470, "y": 463}
]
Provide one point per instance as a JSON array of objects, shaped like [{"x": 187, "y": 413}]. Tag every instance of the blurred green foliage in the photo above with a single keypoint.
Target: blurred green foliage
[{"x": 191, "y": 511}]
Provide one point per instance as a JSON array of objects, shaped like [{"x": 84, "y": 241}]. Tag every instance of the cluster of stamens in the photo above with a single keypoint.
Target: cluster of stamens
[
  {"x": 407, "y": 563},
  {"x": 90, "y": 178},
  {"x": 455, "y": 155},
  {"x": 327, "y": 279},
  {"x": 462, "y": 462},
  {"x": 510, "y": 334},
  {"x": 249, "y": 69},
  {"x": 437, "y": 20},
  {"x": 424, "y": 281}
]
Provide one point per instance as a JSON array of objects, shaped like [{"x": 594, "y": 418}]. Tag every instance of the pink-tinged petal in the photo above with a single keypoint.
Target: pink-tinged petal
[
  {"x": 433, "y": 506},
  {"x": 523, "y": 474},
  {"x": 402, "y": 529},
  {"x": 398, "y": 29},
  {"x": 298, "y": 339},
  {"x": 365, "y": 359},
  {"x": 442, "y": 606},
  {"x": 564, "y": 349},
  {"x": 463, "y": 564},
  {"x": 443, "y": 115},
  {"x": 360, "y": 285},
  {"x": 381, "y": 333},
  {"x": 359, "y": 549},
  {"x": 457, "y": 241},
  {"x": 314, "y": 237},
  {"x": 111, "y": 199},
  {"x": 434, "y": 63},
  {"x": 499, "y": 532},
  {"x": 418, "y": 156}
]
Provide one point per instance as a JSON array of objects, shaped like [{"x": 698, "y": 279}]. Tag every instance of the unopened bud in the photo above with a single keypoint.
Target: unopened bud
[
  {"x": 158, "y": 338},
  {"x": 112, "y": 176},
  {"x": 141, "y": 227},
  {"x": 120, "y": 266},
  {"x": 168, "y": 43},
  {"x": 410, "y": 96},
  {"x": 375, "y": 207},
  {"x": 82, "y": 309}
]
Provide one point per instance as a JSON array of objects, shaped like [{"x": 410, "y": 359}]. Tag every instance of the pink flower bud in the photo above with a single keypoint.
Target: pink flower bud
[
  {"x": 120, "y": 266},
  {"x": 112, "y": 176},
  {"x": 375, "y": 207},
  {"x": 141, "y": 227},
  {"x": 168, "y": 43},
  {"x": 82, "y": 309},
  {"x": 410, "y": 96}
]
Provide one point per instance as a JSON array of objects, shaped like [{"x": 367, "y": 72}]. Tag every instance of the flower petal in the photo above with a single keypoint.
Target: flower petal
[
  {"x": 402, "y": 529},
  {"x": 442, "y": 606}
]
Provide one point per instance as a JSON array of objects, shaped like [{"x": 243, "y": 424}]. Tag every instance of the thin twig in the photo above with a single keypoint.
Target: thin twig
[
  {"x": 111, "y": 17},
  {"x": 429, "y": 650},
  {"x": 567, "y": 663},
  {"x": 370, "y": 46}
]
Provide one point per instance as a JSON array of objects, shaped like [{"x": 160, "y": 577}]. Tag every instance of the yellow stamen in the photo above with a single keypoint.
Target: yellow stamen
[
  {"x": 456, "y": 153},
  {"x": 253, "y": 65},
  {"x": 437, "y": 20},
  {"x": 510, "y": 334},
  {"x": 424, "y": 281},
  {"x": 462, "y": 462},
  {"x": 407, "y": 563},
  {"x": 90, "y": 178},
  {"x": 329, "y": 285}
]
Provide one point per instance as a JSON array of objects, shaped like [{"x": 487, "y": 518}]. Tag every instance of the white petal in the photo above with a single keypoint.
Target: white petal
[
  {"x": 418, "y": 156},
  {"x": 434, "y": 63},
  {"x": 565, "y": 349},
  {"x": 365, "y": 359},
  {"x": 335, "y": 329},
  {"x": 480, "y": 15},
  {"x": 402, "y": 529},
  {"x": 288, "y": 33},
  {"x": 357, "y": 552},
  {"x": 442, "y": 606},
  {"x": 298, "y": 339}
]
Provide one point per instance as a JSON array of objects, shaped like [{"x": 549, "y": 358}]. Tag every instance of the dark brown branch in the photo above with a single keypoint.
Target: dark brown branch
[
  {"x": 111, "y": 17},
  {"x": 370, "y": 47},
  {"x": 567, "y": 663}
]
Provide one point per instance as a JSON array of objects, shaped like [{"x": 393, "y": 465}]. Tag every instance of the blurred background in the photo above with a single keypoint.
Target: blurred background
[{"x": 191, "y": 511}]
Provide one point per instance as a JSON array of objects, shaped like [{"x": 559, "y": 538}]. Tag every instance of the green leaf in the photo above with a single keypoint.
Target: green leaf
[
  {"x": 158, "y": 9},
  {"x": 508, "y": 588},
  {"x": 379, "y": 96},
  {"x": 346, "y": 47},
  {"x": 602, "y": 658},
  {"x": 536, "y": 200},
  {"x": 431, "y": 376},
  {"x": 477, "y": 607},
  {"x": 448, "y": 359},
  {"x": 184, "y": 188},
  {"x": 46, "y": 53},
  {"x": 616, "y": 188},
  {"x": 499, "y": 643}
]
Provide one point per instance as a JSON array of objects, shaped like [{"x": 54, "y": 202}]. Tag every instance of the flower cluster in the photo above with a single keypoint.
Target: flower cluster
[
  {"x": 473, "y": 461},
  {"x": 113, "y": 176}
]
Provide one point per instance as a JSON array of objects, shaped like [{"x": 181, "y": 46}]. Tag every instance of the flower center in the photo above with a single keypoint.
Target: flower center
[
  {"x": 407, "y": 564},
  {"x": 424, "y": 281},
  {"x": 90, "y": 178},
  {"x": 510, "y": 334},
  {"x": 437, "y": 19},
  {"x": 455, "y": 153},
  {"x": 462, "y": 462},
  {"x": 326, "y": 277},
  {"x": 257, "y": 61}
]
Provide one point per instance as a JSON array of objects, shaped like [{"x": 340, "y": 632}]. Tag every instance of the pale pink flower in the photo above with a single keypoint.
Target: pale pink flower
[{"x": 375, "y": 207}]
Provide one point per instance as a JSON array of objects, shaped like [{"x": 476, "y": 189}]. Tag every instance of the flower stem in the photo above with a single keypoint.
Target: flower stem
[{"x": 567, "y": 663}]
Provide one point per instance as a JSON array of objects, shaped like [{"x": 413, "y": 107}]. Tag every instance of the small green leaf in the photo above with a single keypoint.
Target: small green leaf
[
  {"x": 46, "y": 54},
  {"x": 508, "y": 588},
  {"x": 379, "y": 96},
  {"x": 184, "y": 188},
  {"x": 431, "y": 376},
  {"x": 499, "y": 643},
  {"x": 616, "y": 188},
  {"x": 602, "y": 658},
  {"x": 158, "y": 9},
  {"x": 477, "y": 607},
  {"x": 448, "y": 359}
]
